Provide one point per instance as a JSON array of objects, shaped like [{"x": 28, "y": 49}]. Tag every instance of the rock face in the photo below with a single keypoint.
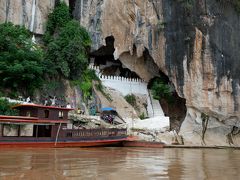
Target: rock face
[
  {"x": 30, "y": 13},
  {"x": 195, "y": 43}
]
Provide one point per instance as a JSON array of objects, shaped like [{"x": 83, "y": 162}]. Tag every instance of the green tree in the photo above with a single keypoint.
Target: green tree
[
  {"x": 161, "y": 90},
  {"x": 67, "y": 52},
  {"x": 21, "y": 65},
  {"x": 85, "y": 83},
  {"x": 66, "y": 43}
]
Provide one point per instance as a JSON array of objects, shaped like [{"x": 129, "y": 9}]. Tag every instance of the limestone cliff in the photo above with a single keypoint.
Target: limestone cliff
[
  {"x": 30, "y": 13},
  {"x": 195, "y": 43}
]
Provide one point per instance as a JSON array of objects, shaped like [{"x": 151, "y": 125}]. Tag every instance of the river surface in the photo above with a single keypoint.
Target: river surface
[{"x": 119, "y": 164}]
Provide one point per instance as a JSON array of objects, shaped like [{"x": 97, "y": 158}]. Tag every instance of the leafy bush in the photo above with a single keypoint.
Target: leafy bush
[
  {"x": 85, "y": 83},
  {"x": 142, "y": 116},
  {"x": 161, "y": 90},
  {"x": 20, "y": 60},
  {"x": 5, "y": 108},
  {"x": 131, "y": 99}
]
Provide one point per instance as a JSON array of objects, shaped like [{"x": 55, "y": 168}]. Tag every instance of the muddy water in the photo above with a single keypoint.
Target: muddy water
[{"x": 119, "y": 163}]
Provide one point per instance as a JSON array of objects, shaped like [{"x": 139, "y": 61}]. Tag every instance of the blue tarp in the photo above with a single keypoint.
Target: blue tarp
[{"x": 108, "y": 109}]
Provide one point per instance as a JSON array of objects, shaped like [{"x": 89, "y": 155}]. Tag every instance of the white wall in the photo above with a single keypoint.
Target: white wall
[
  {"x": 125, "y": 86},
  {"x": 121, "y": 84}
]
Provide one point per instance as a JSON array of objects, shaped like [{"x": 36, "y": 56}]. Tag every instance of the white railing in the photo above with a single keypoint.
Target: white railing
[
  {"x": 120, "y": 78},
  {"x": 106, "y": 77},
  {"x": 122, "y": 84}
]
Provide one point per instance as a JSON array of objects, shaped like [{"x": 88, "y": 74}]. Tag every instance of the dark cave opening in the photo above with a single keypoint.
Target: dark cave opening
[
  {"x": 71, "y": 6},
  {"x": 173, "y": 105},
  {"x": 163, "y": 78},
  {"x": 104, "y": 58}
]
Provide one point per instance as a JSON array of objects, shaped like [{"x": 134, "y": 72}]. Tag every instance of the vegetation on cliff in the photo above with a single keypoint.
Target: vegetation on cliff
[
  {"x": 66, "y": 53},
  {"x": 21, "y": 61},
  {"x": 26, "y": 66},
  {"x": 56, "y": 20},
  {"x": 161, "y": 90},
  {"x": 85, "y": 83},
  {"x": 131, "y": 99},
  {"x": 66, "y": 44}
]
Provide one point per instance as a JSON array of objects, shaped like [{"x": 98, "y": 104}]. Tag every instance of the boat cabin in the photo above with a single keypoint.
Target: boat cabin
[
  {"x": 43, "y": 112},
  {"x": 33, "y": 120}
]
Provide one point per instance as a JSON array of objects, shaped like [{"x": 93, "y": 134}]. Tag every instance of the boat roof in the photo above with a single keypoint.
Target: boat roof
[
  {"x": 17, "y": 117},
  {"x": 25, "y": 120},
  {"x": 41, "y": 106}
]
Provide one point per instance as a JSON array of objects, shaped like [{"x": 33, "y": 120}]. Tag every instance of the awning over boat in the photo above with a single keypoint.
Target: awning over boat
[{"x": 108, "y": 109}]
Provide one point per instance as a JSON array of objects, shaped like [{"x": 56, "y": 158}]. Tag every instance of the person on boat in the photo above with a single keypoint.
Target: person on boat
[
  {"x": 28, "y": 100},
  {"x": 45, "y": 102},
  {"x": 68, "y": 105},
  {"x": 53, "y": 101},
  {"x": 110, "y": 119},
  {"x": 20, "y": 98}
]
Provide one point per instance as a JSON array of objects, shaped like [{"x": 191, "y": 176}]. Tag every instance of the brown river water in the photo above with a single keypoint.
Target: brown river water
[{"x": 116, "y": 163}]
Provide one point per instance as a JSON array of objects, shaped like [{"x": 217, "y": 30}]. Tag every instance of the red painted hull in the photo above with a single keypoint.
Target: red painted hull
[{"x": 61, "y": 144}]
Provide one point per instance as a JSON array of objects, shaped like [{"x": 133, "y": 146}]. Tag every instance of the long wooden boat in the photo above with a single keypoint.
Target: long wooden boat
[{"x": 48, "y": 126}]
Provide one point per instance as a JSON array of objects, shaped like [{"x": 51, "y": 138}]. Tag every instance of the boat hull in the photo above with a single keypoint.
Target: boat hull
[{"x": 93, "y": 143}]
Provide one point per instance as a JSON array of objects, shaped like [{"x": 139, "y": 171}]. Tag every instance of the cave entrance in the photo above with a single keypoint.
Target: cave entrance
[
  {"x": 173, "y": 106},
  {"x": 104, "y": 59},
  {"x": 72, "y": 7}
]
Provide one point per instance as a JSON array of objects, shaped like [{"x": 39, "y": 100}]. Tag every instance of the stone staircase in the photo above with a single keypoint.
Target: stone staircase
[
  {"x": 154, "y": 107},
  {"x": 149, "y": 106}
]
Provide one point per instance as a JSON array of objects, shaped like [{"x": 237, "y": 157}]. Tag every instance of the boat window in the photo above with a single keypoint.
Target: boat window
[
  {"x": 46, "y": 112},
  {"x": 26, "y": 130},
  {"x": 60, "y": 114},
  {"x": 42, "y": 131},
  {"x": 10, "y": 130}
]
